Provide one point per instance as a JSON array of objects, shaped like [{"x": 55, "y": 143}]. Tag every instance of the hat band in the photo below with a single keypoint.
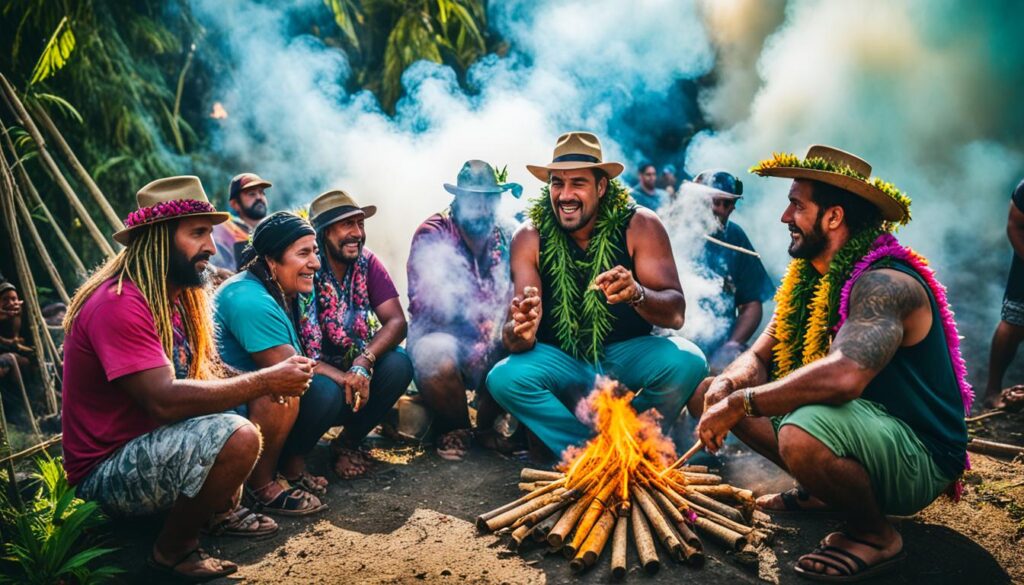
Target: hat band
[
  {"x": 577, "y": 158},
  {"x": 332, "y": 215},
  {"x": 167, "y": 210}
]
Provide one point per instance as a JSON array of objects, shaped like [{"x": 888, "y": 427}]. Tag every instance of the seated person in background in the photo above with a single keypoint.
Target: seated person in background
[
  {"x": 459, "y": 289},
  {"x": 138, "y": 439},
  {"x": 745, "y": 282},
  {"x": 248, "y": 202},
  {"x": 645, "y": 192},
  {"x": 256, "y": 313},
  {"x": 352, "y": 292},
  {"x": 14, "y": 354},
  {"x": 596, "y": 274}
]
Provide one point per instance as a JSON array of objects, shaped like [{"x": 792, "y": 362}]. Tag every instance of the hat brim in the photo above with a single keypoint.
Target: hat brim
[
  {"x": 124, "y": 236},
  {"x": 709, "y": 191},
  {"x": 368, "y": 212},
  {"x": 456, "y": 190},
  {"x": 612, "y": 169},
  {"x": 890, "y": 209}
]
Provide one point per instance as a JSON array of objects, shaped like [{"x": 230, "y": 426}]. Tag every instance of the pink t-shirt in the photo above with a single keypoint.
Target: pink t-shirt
[{"x": 112, "y": 336}]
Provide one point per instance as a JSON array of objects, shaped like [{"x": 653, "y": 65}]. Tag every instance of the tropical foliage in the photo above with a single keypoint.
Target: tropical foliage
[{"x": 50, "y": 539}]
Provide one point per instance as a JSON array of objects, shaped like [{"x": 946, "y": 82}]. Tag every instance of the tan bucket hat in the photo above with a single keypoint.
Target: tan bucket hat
[
  {"x": 844, "y": 170},
  {"x": 576, "y": 150},
  {"x": 334, "y": 206},
  {"x": 169, "y": 198}
]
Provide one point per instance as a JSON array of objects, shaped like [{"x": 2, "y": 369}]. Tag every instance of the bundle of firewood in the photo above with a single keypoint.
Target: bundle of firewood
[{"x": 621, "y": 480}]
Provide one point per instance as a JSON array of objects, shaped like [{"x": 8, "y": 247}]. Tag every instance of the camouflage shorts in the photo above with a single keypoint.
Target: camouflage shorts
[{"x": 151, "y": 471}]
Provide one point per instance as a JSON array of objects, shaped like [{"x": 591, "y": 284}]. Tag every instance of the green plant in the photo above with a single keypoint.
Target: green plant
[{"x": 49, "y": 541}]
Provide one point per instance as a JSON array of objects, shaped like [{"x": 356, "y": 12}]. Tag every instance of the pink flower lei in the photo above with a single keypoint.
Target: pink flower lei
[{"x": 167, "y": 210}]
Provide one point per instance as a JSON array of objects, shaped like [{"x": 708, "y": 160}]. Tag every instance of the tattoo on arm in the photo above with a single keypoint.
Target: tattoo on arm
[{"x": 879, "y": 302}]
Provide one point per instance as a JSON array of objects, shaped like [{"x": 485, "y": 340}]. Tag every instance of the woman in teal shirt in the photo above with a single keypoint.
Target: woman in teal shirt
[{"x": 255, "y": 314}]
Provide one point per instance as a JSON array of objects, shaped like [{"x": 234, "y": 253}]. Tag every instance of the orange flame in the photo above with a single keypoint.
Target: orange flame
[
  {"x": 629, "y": 450},
  {"x": 218, "y": 113}
]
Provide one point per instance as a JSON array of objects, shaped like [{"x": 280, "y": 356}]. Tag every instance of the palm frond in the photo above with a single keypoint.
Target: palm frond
[{"x": 56, "y": 52}]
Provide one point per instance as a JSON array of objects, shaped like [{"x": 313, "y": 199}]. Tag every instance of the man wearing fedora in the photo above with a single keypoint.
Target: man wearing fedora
[
  {"x": 593, "y": 275},
  {"x": 248, "y": 201},
  {"x": 354, "y": 322},
  {"x": 137, "y": 438},
  {"x": 857, "y": 388},
  {"x": 459, "y": 290},
  {"x": 745, "y": 283}
]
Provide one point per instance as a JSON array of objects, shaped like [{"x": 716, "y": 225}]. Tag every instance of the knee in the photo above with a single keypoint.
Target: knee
[
  {"x": 324, "y": 397},
  {"x": 398, "y": 365},
  {"x": 686, "y": 363},
  {"x": 800, "y": 450},
  {"x": 499, "y": 380},
  {"x": 243, "y": 446}
]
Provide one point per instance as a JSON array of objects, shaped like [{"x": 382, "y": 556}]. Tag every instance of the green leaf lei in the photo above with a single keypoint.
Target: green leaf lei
[{"x": 581, "y": 317}]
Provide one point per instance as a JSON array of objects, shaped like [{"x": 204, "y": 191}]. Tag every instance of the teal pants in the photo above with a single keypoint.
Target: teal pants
[{"x": 541, "y": 387}]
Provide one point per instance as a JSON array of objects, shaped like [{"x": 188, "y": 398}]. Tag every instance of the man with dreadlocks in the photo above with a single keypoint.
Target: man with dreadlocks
[
  {"x": 857, "y": 387},
  {"x": 594, "y": 274},
  {"x": 137, "y": 438}
]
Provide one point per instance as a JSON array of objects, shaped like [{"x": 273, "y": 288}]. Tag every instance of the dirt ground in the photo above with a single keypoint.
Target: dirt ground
[{"x": 412, "y": 522}]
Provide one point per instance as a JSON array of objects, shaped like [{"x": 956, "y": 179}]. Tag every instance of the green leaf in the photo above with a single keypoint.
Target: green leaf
[
  {"x": 56, "y": 52},
  {"x": 63, "y": 105}
]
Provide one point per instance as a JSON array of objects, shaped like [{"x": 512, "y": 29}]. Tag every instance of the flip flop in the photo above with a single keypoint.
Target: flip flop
[
  {"x": 169, "y": 570},
  {"x": 234, "y": 523},
  {"x": 791, "y": 500},
  {"x": 840, "y": 560}
]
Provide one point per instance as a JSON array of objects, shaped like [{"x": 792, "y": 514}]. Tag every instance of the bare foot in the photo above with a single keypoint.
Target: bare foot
[{"x": 349, "y": 463}]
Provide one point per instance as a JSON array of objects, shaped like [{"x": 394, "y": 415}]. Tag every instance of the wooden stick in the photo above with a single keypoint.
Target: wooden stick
[
  {"x": 519, "y": 535},
  {"x": 13, "y": 493},
  {"x": 686, "y": 457},
  {"x": 689, "y": 536},
  {"x": 541, "y": 530},
  {"x": 714, "y": 240},
  {"x": 689, "y": 554},
  {"x": 44, "y": 254},
  {"x": 537, "y": 516},
  {"x": 619, "y": 544},
  {"x": 694, "y": 469},
  {"x": 557, "y": 534},
  {"x": 993, "y": 448},
  {"x": 673, "y": 513},
  {"x": 16, "y": 372},
  {"x": 51, "y": 166},
  {"x": 715, "y": 506},
  {"x": 532, "y": 485},
  {"x": 722, "y": 492},
  {"x": 702, "y": 479},
  {"x": 507, "y": 518},
  {"x": 658, "y": 523},
  {"x": 644, "y": 542},
  {"x": 594, "y": 543},
  {"x": 737, "y": 527},
  {"x": 76, "y": 166},
  {"x": 12, "y": 458},
  {"x": 528, "y": 474},
  {"x": 730, "y": 538},
  {"x": 601, "y": 502},
  {"x": 515, "y": 504},
  {"x": 984, "y": 415}
]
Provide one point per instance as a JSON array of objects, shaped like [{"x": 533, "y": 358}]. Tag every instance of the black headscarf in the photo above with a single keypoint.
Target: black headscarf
[{"x": 274, "y": 234}]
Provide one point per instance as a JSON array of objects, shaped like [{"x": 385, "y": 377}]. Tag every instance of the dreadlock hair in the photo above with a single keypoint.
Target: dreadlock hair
[{"x": 144, "y": 262}]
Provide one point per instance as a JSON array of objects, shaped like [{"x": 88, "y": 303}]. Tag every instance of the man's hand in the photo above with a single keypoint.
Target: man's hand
[
  {"x": 719, "y": 390},
  {"x": 618, "y": 285},
  {"x": 357, "y": 389},
  {"x": 526, "y": 314},
  {"x": 717, "y": 421},
  {"x": 288, "y": 378}
]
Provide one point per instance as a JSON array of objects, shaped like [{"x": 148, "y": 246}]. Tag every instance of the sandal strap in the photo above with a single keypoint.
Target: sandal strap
[
  {"x": 859, "y": 563},
  {"x": 828, "y": 560}
]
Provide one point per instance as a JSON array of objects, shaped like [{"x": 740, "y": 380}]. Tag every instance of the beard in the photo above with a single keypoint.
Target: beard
[
  {"x": 336, "y": 250},
  {"x": 810, "y": 245},
  {"x": 257, "y": 210},
  {"x": 575, "y": 224},
  {"x": 476, "y": 227},
  {"x": 184, "y": 271}
]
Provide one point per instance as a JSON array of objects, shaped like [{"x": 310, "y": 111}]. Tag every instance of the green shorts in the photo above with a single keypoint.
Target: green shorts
[{"x": 903, "y": 474}]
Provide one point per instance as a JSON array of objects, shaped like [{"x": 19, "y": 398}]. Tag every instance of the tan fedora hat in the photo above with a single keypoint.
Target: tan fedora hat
[
  {"x": 165, "y": 199},
  {"x": 334, "y": 206},
  {"x": 841, "y": 169},
  {"x": 576, "y": 150}
]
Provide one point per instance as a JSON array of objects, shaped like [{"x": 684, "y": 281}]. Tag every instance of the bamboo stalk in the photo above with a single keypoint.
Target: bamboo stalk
[
  {"x": 689, "y": 536},
  {"x": 531, "y": 486},
  {"x": 27, "y": 186},
  {"x": 12, "y": 458},
  {"x": 723, "y": 492},
  {"x": 519, "y": 535},
  {"x": 541, "y": 530},
  {"x": 44, "y": 255},
  {"x": 76, "y": 166},
  {"x": 729, "y": 538},
  {"x": 595, "y": 542},
  {"x": 737, "y": 527},
  {"x": 507, "y": 518},
  {"x": 993, "y": 448},
  {"x": 984, "y": 415},
  {"x": 619, "y": 542},
  {"x": 13, "y": 494},
  {"x": 51, "y": 166},
  {"x": 16, "y": 371},
  {"x": 557, "y": 534},
  {"x": 687, "y": 553},
  {"x": 659, "y": 524},
  {"x": 528, "y": 474},
  {"x": 644, "y": 542},
  {"x": 702, "y": 479},
  {"x": 715, "y": 506},
  {"x": 694, "y": 469},
  {"x": 670, "y": 510},
  {"x": 592, "y": 515},
  {"x": 537, "y": 516},
  {"x": 519, "y": 502}
]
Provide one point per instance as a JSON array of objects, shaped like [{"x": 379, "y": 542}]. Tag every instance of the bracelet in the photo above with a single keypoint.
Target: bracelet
[
  {"x": 640, "y": 296},
  {"x": 360, "y": 371},
  {"x": 749, "y": 408},
  {"x": 368, "y": 355}
]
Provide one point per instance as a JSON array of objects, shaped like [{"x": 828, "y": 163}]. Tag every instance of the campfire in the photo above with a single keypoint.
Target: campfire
[{"x": 626, "y": 480}]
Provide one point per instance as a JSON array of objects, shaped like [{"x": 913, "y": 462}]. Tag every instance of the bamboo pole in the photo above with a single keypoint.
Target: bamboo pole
[
  {"x": 702, "y": 479},
  {"x": 541, "y": 530},
  {"x": 595, "y": 542},
  {"x": 12, "y": 458},
  {"x": 528, "y": 474},
  {"x": 593, "y": 514},
  {"x": 688, "y": 553},
  {"x": 507, "y": 518},
  {"x": 518, "y": 536},
  {"x": 644, "y": 542},
  {"x": 658, "y": 522},
  {"x": 619, "y": 544},
  {"x": 13, "y": 494},
  {"x": 35, "y": 319},
  {"x": 51, "y": 166},
  {"x": 44, "y": 255},
  {"x": 537, "y": 516},
  {"x": 730, "y": 538},
  {"x": 737, "y": 527},
  {"x": 557, "y": 534},
  {"x": 993, "y": 448},
  {"x": 16, "y": 371},
  {"x": 27, "y": 186},
  {"x": 76, "y": 166},
  {"x": 482, "y": 518},
  {"x": 715, "y": 506}
]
